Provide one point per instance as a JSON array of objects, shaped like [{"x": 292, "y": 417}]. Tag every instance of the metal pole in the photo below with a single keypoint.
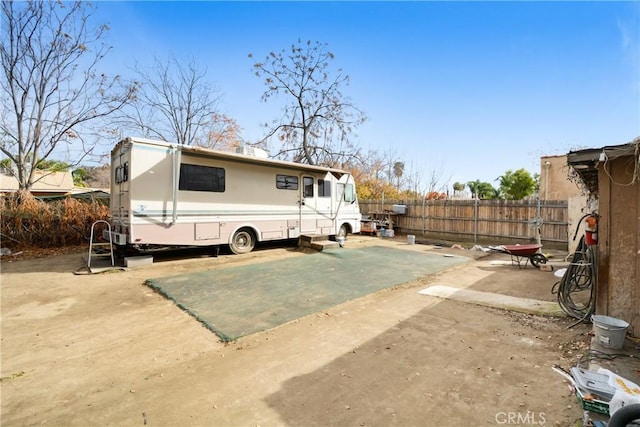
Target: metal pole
[
  {"x": 539, "y": 217},
  {"x": 424, "y": 219},
  {"x": 177, "y": 159}
]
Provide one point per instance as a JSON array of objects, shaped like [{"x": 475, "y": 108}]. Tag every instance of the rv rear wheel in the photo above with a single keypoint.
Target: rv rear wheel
[{"x": 243, "y": 241}]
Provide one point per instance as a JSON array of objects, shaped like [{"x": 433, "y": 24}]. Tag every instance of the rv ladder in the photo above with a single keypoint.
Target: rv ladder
[{"x": 95, "y": 247}]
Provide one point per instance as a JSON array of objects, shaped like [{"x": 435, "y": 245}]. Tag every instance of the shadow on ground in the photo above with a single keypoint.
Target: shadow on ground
[{"x": 449, "y": 365}]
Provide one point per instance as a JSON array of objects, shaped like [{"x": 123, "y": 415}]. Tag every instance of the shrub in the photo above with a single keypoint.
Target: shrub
[{"x": 29, "y": 222}]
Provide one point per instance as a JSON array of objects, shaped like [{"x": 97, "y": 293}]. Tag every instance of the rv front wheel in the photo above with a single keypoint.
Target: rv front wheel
[
  {"x": 343, "y": 231},
  {"x": 242, "y": 242}
]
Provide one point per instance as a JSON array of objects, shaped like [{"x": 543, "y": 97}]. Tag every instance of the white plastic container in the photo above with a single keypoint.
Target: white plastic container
[{"x": 411, "y": 239}]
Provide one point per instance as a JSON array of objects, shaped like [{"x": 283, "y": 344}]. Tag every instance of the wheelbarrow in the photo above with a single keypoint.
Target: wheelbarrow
[{"x": 519, "y": 253}]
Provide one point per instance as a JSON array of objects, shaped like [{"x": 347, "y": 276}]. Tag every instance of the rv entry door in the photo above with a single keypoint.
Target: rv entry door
[{"x": 308, "y": 207}]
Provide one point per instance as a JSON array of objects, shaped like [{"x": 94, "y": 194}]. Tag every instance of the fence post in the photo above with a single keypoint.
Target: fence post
[{"x": 475, "y": 220}]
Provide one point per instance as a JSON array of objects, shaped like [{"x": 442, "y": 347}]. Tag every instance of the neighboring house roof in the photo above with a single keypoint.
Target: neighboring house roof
[
  {"x": 45, "y": 182},
  {"x": 79, "y": 190},
  {"x": 87, "y": 194}
]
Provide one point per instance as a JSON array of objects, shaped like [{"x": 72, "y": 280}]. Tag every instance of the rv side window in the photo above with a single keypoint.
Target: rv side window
[
  {"x": 324, "y": 188},
  {"x": 346, "y": 192},
  {"x": 122, "y": 173},
  {"x": 286, "y": 182},
  {"x": 308, "y": 186},
  {"x": 201, "y": 178}
]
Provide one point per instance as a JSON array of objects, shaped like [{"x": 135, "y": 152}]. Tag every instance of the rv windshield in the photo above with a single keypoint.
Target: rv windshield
[{"x": 347, "y": 192}]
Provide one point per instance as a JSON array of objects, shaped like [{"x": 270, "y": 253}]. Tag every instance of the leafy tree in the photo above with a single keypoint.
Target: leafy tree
[
  {"x": 435, "y": 195},
  {"x": 386, "y": 173},
  {"x": 374, "y": 164},
  {"x": 224, "y": 133},
  {"x": 318, "y": 119},
  {"x": 5, "y": 165},
  {"x": 174, "y": 103},
  {"x": 370, "y": 184},
  {"x": 48, "y": 165},
  {"x": 481, "y": 190},
  {"x": 458, "y": 189},
  {"x": 536, "y": 178},
  {"x": 374, "y": 189},
  {"x": 517, "y": 185},
  {"x": 51, "y": 90},
  {"x": 80, "y": 177},
  {"x": 496, "y": 193},
  {"x": 53, "y": 165}
]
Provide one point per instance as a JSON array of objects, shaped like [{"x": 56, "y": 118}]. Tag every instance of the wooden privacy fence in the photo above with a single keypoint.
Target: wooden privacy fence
[{"x": 478, "y": 221}]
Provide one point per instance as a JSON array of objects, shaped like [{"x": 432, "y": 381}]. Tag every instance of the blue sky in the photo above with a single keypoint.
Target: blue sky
[{"x": 464, "y": 89}]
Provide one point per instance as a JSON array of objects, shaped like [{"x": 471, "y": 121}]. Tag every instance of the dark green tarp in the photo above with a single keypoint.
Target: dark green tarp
[{"x": 238, "y": 301}]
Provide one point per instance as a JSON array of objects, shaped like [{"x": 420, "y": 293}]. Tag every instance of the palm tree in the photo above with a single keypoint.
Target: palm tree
[{"x": 398, "y": 170}]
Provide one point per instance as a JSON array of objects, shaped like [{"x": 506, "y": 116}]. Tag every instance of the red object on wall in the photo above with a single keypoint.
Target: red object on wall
[{"x": 591, "y": 230}]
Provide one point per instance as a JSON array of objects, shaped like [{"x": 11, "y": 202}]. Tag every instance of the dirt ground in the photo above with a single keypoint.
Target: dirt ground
[{"x": 106, "y": 350}]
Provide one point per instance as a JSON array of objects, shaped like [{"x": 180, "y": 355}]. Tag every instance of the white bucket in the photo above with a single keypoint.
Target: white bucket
[
  {"x": 389, "y": 232},
  {"x": 411, "y": 239},
  {"x": 609, "y": 331}
]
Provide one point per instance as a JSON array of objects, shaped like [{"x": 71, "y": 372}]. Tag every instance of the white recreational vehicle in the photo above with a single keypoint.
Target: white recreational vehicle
[{"x": 165, "y": 194}]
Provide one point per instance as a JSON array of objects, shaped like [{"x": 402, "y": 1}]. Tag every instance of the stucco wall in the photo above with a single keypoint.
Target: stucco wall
[
  {"x": 555, "y": 185},
  {"x": 554, "y": 182},
  {"x": 619, "y": 243}
]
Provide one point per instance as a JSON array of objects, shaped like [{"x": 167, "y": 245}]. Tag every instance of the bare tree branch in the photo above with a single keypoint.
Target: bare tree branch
[
  {"x": 52, "y": 90},
  {"x": 175, "y": 103},
  {"x": 318, "y": 120}
]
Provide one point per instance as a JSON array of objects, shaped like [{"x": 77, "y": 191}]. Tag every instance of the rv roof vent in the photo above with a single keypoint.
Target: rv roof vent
[{"x": 252, "y": 151}]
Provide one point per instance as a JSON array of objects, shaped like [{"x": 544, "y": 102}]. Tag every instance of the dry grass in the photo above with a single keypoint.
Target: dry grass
[{"x": 30, "y": 223}]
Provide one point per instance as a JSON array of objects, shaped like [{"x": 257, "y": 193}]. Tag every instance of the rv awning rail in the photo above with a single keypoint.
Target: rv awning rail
[{"x": 242, "y": 158}]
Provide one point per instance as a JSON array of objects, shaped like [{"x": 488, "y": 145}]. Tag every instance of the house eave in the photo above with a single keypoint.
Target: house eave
[{"x": 586, "y": 162}]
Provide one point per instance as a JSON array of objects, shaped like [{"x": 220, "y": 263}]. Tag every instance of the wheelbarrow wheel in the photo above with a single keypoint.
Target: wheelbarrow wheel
[{"x": 538, "y": 259}]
